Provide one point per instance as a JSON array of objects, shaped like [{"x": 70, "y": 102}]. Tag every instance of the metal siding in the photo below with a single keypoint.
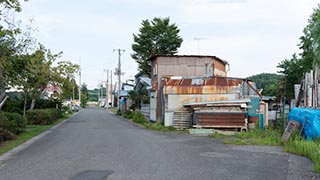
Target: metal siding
[
  {"x": 184, "y": 66},
  {"x": 175, "y": 102},
  {"x": 221, "y": 119}
]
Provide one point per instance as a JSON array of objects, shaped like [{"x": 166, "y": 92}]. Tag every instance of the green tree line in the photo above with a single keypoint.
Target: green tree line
[{"x": 29, "y": 66}]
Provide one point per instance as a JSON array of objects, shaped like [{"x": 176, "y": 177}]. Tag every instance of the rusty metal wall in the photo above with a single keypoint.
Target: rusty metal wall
[
  {"x": 175, "y": 101},
  {"x": 221, "y": 120}
]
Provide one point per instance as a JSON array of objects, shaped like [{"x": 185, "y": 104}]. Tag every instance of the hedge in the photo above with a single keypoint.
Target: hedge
[
  {"x": 12, "y": 122},
  {"x": 42, "y": 116}
]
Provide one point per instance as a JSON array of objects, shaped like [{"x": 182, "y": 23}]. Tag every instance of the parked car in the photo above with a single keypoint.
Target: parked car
[{"x": 75, "y": 108}]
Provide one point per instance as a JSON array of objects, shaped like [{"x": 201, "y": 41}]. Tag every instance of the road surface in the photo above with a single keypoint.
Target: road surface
[{"x": 97, "y": 145}]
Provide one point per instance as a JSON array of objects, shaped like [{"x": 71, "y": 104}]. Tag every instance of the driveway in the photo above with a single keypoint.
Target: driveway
[{"x": 95, "y": 144}]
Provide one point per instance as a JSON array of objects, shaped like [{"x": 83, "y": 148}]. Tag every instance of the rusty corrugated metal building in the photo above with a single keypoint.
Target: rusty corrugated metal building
[
  {"x": 180, "y": 80},
  {"x": 179, "y": 65}
]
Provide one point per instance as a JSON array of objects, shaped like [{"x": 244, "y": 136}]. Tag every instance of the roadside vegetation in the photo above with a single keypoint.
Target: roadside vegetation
[
  {"x": 16, "y": 129},
  {"x": 272, "y": 137},
  {"x": 139, "y": 118},
  {"x": 29, "y": 132}
]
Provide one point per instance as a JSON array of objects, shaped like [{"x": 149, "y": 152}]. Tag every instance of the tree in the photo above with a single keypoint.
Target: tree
[
  {"x": 7, "y": 41},
  {"x": 266, "y": 81},
  {"x": 64, "y": 76},
  {"x": 293, "y": 69},
  {"x": 138, "y": 97},
  {"x": 157, "y": 37},
  {"x": 84, "y": 95}
]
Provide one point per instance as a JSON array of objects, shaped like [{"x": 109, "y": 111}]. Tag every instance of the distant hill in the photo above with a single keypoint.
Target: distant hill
[{"x": 266, "y": 81}]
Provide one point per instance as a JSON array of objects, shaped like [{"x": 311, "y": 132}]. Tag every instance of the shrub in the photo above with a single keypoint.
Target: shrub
[
  {"x": 43, "y": 116},
  {"x": 13, "y": 105},
  {"x": 128, "y": 114},
  {"x": 6, "y": 135},
  {"x": 139, "y": 118},
  {"x": 66, "y": 110},
  {"x": 118, "y": 112},
  {"x": 12, "y": 122}
]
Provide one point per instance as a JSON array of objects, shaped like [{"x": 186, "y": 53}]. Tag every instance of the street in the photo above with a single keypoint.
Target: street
[{"x": 96, "y": 144}]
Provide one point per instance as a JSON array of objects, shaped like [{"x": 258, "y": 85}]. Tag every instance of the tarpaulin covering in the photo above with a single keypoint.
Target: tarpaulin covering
[{"x": 310, "y": 118}]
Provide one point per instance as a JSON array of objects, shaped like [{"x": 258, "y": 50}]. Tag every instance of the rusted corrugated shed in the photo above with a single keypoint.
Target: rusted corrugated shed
[{"x": 186, "y": 90}]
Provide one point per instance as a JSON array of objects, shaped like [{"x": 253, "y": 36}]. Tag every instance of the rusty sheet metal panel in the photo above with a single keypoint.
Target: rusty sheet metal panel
[
  {"x": 175, "y": 102},
  {"x": 220, "y": 119},
  {"x": 202, "y": 89}
]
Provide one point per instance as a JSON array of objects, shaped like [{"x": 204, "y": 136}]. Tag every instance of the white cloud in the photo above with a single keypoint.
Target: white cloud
[{"x": 253, "y": 35}]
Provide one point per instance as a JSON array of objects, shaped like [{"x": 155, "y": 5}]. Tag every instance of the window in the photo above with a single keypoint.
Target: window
[{"x": 208, "y": 70}]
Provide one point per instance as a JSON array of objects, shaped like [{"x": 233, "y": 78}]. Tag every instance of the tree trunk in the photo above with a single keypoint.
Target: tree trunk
[
  {"x": 2, "y": 87},
  {"x": 33, "y": 103},
  {"x": 25, "y": 105}
]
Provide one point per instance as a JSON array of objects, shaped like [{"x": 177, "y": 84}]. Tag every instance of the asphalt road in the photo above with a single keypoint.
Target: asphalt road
[{"x": 95, "y": 144}]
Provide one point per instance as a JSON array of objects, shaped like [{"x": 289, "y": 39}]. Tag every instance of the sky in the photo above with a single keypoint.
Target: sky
[{"x": 252, "y": 35}]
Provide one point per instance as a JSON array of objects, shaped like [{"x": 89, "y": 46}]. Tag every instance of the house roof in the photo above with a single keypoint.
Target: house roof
[
  {"x": 143, "y": 81},
  {"x": 146, "y": 81},
  {"x": 194, "y": 56}
]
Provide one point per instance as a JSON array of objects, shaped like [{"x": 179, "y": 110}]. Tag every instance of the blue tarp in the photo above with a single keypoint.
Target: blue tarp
[{"x": 311, "y": 118}]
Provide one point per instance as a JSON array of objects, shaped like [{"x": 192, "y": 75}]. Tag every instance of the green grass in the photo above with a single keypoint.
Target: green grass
[
  {"x": 309, "y": 149},
  {"x": 30, "y": 132},
  {"x": 158, "y": 127},
  {"x": 269, "y": 137},
  {"x": 266, "y": 137}
]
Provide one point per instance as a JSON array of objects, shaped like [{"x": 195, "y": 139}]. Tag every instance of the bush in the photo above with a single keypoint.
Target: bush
[
  {"x": 6, "y": 135},
  {"x": 66, "y": 110},
  {"x": 12, "y": 122},
  {"x": 43, "y": 116},
  {"x": 118, "y": 112},
  {"x": 139, "y": 118},
  {"x": 13, "y": 105},
  {"x": 128, "y": 114}
]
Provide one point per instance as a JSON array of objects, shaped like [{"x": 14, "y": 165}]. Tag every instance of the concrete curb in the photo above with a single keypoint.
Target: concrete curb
[{"x": 6, "y": 156}]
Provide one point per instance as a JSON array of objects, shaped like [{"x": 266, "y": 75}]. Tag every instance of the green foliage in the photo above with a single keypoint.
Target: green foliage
[
  {"x": 266, "y": 81},
  {"x": 137, "y": 97},
  {"x": 93, "y": 95},
  {"x": 30, "y": 132},
  {"x": 156, "y": 37},
  {"x": 128, "y": 114},
  {"x": 295, "y": 144},
  {"x": 13, "y": 105},
  {"x": 256, "y": 137},
  {"x": 84, "y": 95},
  {"x": 42, "y": 116},
  {"x": 66, "y": 110},
  {"x": 309, "y": 58},
  {"x": 159, "y": 127},
  {"x": 64, "y": 76},
  {"x": 139, "y": 118},
  {"x": 293, "y": 70},
  {"x": 12, "y": 122},
  {"x": 310, "y": 149}
]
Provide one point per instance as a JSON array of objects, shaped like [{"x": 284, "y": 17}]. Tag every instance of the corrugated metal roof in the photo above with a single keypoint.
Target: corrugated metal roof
[
  {"x": 194, "y": 56},
  {"x": 232, "y": 101},
  {"x": 146, "y": 80}
]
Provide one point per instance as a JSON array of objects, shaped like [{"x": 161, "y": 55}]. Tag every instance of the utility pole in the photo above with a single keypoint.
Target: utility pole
[
  {"x": 111, "y": 90},
  {"x": 119, "y": 73},
  {"x": 107, "y": 89},
  {"x": 80, "y": 85}
]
